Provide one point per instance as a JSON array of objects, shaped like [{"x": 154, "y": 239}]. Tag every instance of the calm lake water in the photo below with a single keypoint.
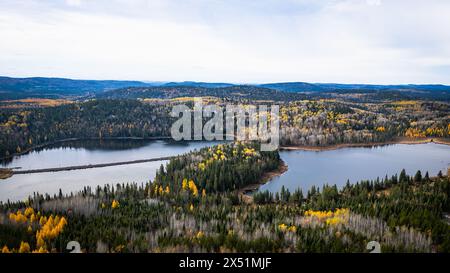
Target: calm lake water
[
  {"x": 19, "y": 187},
  {"x": 308, "y": 168}
]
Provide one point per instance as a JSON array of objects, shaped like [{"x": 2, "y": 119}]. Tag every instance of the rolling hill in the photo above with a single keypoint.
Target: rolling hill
[{"x": 39, "y": 87}]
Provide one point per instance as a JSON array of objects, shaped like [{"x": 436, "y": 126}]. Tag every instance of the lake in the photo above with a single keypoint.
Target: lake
[
  {"x": 305, "y": 168},
  {"x": 20, "y": 186},
  {"x": 308, "y": 168}
]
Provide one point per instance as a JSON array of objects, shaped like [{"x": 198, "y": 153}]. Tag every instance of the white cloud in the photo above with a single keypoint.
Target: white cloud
[
  {"x": 73, "y": 3},
  {"x": 373, "y": 2},
  {"x": 366, "y": 41}
]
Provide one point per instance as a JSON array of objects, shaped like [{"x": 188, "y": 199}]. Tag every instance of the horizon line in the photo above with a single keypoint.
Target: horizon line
[{"x": 217, "y": 82}]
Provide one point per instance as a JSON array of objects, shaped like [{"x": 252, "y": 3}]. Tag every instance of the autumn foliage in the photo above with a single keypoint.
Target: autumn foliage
[{"x": 46, "y": 229}]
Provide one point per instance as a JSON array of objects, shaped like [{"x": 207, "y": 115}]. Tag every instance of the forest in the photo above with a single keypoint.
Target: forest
[
  {"x": 23, "y": 128},
  {"x": 25, "y": 125},
  {"x": 193, "y": 206},
  {"x": 196, "y": 202}
]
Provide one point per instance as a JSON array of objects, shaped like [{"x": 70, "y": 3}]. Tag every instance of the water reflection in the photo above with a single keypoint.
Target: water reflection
[
  {"x": 308, "y": 168},
  {"x": 19, "y": 187}
]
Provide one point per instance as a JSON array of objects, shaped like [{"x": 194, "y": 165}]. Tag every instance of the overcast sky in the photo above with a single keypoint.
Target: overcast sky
[{"x": 345, "y": 41}]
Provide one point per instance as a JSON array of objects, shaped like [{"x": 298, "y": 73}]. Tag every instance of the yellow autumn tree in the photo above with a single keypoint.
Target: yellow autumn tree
[
  {"x": 414, "y": 133},
  {"x": 292, "y": 229},
  {"x": 199, "y": 235},
  {"x": 24, "y": 247},
  {"x": 193, "y": 188},
  {"x": 5, "y": 249},
  {"x": 40, "y": 250},
  {"x": 42, "y": 220},
  {"x": 18, "y": 217},
  {"x": 29, "y": 211},
  {"x": 40, "y": 242},
  {"x": 50, "y": 229},
  {"x": 115, "y": 204},
  {"x": 339, "y": 216}
]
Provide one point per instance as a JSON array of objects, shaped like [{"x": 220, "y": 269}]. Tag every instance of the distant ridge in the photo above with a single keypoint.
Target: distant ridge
[
  {"x": 304, "y": 87},
  {"x": 293, "y": 86},
  {"x": 424, "y": 87},
  {"x": 234, "y": 92},
  {"x": 198, "y": 84},
  {"x": 41, "y": 87},
  {"x": 13, "y": 88}
]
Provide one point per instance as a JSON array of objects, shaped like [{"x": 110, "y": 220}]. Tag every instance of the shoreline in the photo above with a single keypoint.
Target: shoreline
[
  {"x": 6, "y": 173},
  {"x": 266, "y": 177},
  {"x": 44, "y": 145},
  {"x": 370, "y": 144},
  {"x": 399, "y": 140}
]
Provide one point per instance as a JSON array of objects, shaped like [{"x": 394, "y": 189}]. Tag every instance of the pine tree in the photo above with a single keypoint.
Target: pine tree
[
  {"x": 418, "y": 176},
  {"x": 403, "y": 177}
]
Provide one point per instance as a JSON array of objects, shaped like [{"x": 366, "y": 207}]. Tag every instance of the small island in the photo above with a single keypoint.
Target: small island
[{"x": 5, "y": 173}]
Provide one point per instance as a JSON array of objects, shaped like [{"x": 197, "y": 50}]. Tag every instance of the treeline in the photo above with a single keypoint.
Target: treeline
[
  {"x": 322, "y": 123},
  {"x": 243, "y": 93},
  {"x": 305, "y": 122},
  {"x": 280, "y": 93},
  {"x": 26, "y": 128}
]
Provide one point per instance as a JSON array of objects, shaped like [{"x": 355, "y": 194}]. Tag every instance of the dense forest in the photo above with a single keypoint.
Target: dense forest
[
  {"x": 285, "y": 92},
  {"x": 23, "y": 128},
  {"x": 24, "y": 125},
  {"x": 192, "y": 206},
  {"x": 218, "y": 169}
]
